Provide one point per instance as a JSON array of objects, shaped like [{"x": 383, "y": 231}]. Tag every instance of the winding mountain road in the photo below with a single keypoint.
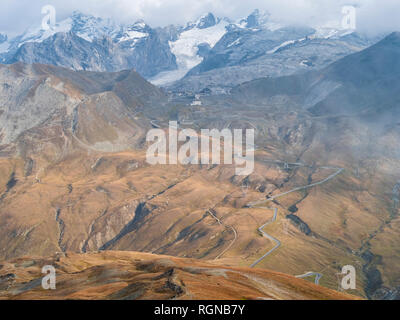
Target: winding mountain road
[
  {"x": 266, "y": 235},
  {"x": 256, "y": 204}
]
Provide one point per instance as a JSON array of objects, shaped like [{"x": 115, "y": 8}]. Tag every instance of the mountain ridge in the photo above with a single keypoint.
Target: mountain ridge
[
  {"x": 347, "y": 86},
  {"x": 133, "y": 275},
  {"x": 177, "y": 57}
]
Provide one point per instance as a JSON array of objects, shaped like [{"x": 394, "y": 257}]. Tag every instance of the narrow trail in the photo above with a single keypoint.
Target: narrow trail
[
  {"x": 227, "y": 227},
  {"x": 256, "y": 204}
]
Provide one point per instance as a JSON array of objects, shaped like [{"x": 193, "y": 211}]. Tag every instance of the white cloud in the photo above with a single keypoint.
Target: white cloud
[{"x": 373, "y": 15}]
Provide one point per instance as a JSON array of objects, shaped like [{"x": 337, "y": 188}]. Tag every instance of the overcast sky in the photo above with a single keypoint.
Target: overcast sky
[{"x": 372, "y": 15}]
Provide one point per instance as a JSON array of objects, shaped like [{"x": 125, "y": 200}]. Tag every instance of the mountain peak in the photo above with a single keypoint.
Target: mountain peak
[
  {"x": 139, "y": 25},
  {"x": 78, "y": 18},
  {"x": 256, "y": 19},
  {"x": 207, "y": 21},
  {"x": 78, "y": 15}
]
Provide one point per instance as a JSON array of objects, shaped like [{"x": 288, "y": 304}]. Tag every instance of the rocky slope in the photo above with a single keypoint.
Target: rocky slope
[
  {"x": 362, "y": 83},
  {"x": 87, "y": 106}
]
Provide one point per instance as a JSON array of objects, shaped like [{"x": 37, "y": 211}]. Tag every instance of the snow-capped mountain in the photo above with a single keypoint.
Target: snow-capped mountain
[
  {"x": 211, "y": 52},
  {"x": 258, "y": 20},
  {"x": 85, "y": 42},
  {"x": 85, "y": 26},
  {"x": 195, "y": 42},
  {"x": 258, "y": 47}
]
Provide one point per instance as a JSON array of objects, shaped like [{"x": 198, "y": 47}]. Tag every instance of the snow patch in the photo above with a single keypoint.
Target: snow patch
[
  {"x": 132, "y": 35},
  {"x": 185, "y": 48},
  {"x": 234, "y": 43},
  {"x": 285, "y": 44}
]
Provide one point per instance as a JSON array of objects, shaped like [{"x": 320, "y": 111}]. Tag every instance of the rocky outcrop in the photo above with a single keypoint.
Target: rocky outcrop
[{"x": 299, "y": 224}]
